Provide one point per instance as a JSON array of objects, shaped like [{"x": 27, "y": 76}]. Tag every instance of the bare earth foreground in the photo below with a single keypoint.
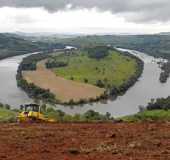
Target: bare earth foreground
[
  {"x": 65, "y": 90},
  {"x": 82, "y": 141}
]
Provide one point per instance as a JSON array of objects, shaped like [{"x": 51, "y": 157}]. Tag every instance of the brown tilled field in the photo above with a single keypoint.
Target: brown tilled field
[
  {"x": 85, "y": 141},
  {"x": 65, "y": 90}
]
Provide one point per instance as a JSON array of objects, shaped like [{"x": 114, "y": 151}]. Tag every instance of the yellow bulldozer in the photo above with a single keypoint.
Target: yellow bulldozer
[{"x": 32, "y": 113}]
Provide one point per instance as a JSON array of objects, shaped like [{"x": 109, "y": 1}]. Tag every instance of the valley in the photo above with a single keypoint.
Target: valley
[{"x": 84, "y": 80}]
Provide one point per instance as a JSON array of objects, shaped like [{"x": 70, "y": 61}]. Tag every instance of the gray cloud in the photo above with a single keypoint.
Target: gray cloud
[{"x": 133, "y": 10}]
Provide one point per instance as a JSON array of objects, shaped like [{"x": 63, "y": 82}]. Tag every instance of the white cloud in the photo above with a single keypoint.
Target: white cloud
[
  {"x": 150, "y": 10},
  {"x": 69, "y": 21}
]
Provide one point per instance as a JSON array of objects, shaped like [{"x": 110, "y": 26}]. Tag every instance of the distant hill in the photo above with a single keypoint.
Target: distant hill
[
  {"x": 155, "y": 45},
  {"x": 13, "y": 44},
  {"x": 164, "y": 33}
]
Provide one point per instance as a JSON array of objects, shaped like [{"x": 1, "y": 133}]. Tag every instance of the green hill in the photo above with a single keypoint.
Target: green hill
[
  {"x": 155, "y": 45},
  {"x": 12, "y": 45}
]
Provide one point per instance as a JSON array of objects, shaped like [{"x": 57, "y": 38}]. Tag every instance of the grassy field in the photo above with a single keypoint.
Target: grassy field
[
  {"x": 148, "y": 115},
  {"x": 113, "y": 69},
  {"x": 7, "y": 115}
]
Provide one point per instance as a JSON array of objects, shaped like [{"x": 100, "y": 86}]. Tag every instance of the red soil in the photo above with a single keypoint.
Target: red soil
[{"x": 95, "y": 141}]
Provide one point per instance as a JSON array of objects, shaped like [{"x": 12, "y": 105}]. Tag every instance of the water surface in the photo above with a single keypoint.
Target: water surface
[
  {"x": 146, "y": 88},
  {"x": 9, "y": 92}
]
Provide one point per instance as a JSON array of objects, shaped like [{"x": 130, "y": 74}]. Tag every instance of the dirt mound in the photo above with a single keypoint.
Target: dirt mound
[{"x": 95, "y": 141}]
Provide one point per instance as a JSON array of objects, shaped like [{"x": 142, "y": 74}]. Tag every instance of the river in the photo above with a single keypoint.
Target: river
[
  {"x": 146, "y": 88},
  {"x": 9, "y": 92}
]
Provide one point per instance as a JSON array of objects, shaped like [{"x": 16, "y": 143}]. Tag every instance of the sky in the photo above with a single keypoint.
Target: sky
[{"x": 85, "y": 16}]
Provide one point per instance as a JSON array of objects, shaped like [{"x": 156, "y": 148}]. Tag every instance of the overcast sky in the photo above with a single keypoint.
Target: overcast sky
[{"x": 85, "y": 16}]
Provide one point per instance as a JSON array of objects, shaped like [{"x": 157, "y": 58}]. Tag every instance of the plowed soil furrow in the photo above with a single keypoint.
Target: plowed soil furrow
[{"x": 83, "y": 141}]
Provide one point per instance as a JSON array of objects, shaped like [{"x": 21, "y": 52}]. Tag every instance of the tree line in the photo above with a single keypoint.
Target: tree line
[
  {"x": 159, "y": 103},
  {"x": 132, "y": 80},
  {"x": 88, "y": 116},
  {"x": 165, "y": 67},
  {"x": 98, "y": 52},
  {"x": 54, "y": 63},
  {"x": 33, "y": 91}
]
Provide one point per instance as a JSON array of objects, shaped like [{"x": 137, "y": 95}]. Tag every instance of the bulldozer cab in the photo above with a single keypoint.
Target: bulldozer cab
[
  {"x": 32, "y": 113},
  {"x": 30, "y": 107}
]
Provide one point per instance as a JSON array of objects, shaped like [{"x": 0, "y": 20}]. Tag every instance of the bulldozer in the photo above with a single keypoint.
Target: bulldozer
[{"x": 32, "y": 113}]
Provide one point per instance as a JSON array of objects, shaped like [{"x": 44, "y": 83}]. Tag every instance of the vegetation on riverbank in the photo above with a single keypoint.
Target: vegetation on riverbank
[
  {"x": 6, "y": 114},
  {"x": 158, "y": 109},
  {"x": 88, "y": 116},
  {"x": 33, "y": 91},
  {"x": 148, "y": 115},
  {"x": 9, "y": 115},
  {"x": 165, "y": 67},
  {"x": 159, "y": 103}
]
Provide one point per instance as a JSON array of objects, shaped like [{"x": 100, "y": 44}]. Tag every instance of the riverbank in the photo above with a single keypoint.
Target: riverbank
[
  {"x": 110, "y": 92},
  {"x": 156, "y": 113}
]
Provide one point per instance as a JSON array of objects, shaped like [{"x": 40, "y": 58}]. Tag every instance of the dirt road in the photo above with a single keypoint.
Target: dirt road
[{"x": 95, "y": 141}]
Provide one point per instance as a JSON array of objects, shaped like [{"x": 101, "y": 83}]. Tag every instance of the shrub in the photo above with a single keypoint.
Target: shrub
[
  {"x": 100, "y": 84},
  {"x": 72, "y": 78},
  {"x": 6, "y": 106},
  {"x": 71, "y": 102},
  {"x": 98, "y": 52},
  {"x": 86, "y": 80}
]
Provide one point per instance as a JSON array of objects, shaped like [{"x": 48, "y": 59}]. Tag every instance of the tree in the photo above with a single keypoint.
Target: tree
[
  {"x": 99, "y": 83},
  {"x": 43, "y": 108},
  {"x": 72, "y": 78},
  {"x": 85, "y": 80},
  {"x": 98, "y": 52},
  {"x": 108, "y": 115},
  {"x": 7, "y": 106}
]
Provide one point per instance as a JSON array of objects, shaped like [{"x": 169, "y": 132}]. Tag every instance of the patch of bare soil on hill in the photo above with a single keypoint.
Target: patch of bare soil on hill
[
  {"x": 85, "y": 141},
  {"x": 65, "y": 90}
]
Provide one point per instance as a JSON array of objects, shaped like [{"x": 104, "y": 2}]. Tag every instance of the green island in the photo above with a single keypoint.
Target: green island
[{"x": 91, "y": 74}]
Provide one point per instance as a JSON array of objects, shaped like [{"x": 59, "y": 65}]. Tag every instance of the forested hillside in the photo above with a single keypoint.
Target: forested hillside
[
  {"x": 156, "y": 45},
  {"x": 11, "y": 45}
]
